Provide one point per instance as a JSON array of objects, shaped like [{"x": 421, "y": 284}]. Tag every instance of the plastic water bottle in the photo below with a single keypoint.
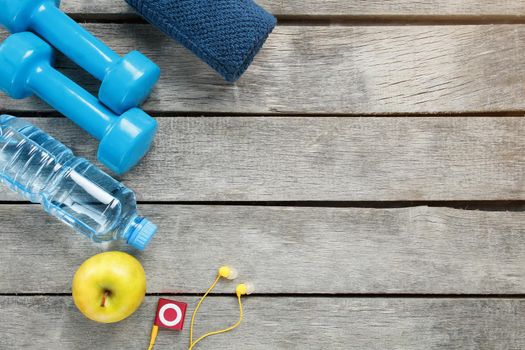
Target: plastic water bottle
[{"x": 74, "y": 190}]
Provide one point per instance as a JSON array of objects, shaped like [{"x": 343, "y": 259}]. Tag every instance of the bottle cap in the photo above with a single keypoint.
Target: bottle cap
[{"x": 142, "y": 233}]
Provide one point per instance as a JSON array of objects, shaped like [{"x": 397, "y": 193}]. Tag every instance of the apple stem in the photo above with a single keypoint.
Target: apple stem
[{"x": 104, "y": 297}]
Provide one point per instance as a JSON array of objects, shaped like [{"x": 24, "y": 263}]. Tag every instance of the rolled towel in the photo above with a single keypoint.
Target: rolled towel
[{"x": 226, "y": 34}]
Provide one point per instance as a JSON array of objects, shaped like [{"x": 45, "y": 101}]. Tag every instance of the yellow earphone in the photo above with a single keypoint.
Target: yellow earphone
[
  {"x": 226, "y": 272},
  {"x": 244, "y": 289},
  {"x": 229, "y": 273}
]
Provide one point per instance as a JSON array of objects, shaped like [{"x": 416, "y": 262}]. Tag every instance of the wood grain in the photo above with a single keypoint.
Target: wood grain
[
  {"x": 339, "y": 7},
  {"x": 322, "y": 159},
  {"x": 335, "y": 70},
  {"x": 263, "y": 153},
  {"x": 277, "y": 323},
  {"x": 286, "y": 250}
]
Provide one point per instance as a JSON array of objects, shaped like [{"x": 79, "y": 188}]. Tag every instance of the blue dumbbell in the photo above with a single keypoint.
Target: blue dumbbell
[
  {"x": 25, "y": 69},
  {"x": 126, "y": 81}
]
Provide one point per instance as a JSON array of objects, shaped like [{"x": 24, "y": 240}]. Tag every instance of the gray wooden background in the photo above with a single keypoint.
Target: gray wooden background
[{"x": 366, "y": 174}]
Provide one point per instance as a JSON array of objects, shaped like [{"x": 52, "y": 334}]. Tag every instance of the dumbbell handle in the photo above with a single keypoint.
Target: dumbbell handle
[
  {"x": 68, "y": 36},
  {"x": 71, "y": 100}
]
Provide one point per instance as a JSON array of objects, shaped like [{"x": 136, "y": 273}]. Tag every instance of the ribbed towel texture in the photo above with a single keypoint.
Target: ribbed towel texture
[{"x": 226, "y": 34}]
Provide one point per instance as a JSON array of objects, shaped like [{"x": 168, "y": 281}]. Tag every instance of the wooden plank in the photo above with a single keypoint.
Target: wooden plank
[
  {"x": 286, "y": 250},
  {"x": 340, "y": 7},
  {"x": 323, "y": 159},
  {"x": 277, "y": 323},
  {"x": 336, "y": 69}
]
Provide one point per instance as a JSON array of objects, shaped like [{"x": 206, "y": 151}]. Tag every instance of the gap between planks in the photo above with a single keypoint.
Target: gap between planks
[
  {"x": 306, "y": 295},
  {"x": 518, "y": 113},
  {"x": 339, "y": 20},
  {"x": 489, "y": 206}
]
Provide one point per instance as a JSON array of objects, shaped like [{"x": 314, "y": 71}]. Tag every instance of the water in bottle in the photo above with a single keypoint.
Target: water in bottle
[{"x": 43, "y": 170}]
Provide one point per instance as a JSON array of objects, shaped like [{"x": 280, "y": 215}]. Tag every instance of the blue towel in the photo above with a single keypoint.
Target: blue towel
[{"x": 226, "y": 34}]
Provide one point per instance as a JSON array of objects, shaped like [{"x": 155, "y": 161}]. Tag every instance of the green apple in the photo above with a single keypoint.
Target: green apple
[{"x": 109, "y": 287}]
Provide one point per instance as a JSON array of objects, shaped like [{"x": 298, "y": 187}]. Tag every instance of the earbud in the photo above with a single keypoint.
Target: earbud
[
  {"x": 241, "y": 289},
  {"x": 244, "y": 289},
  {"x": 228, "y": 272}
]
